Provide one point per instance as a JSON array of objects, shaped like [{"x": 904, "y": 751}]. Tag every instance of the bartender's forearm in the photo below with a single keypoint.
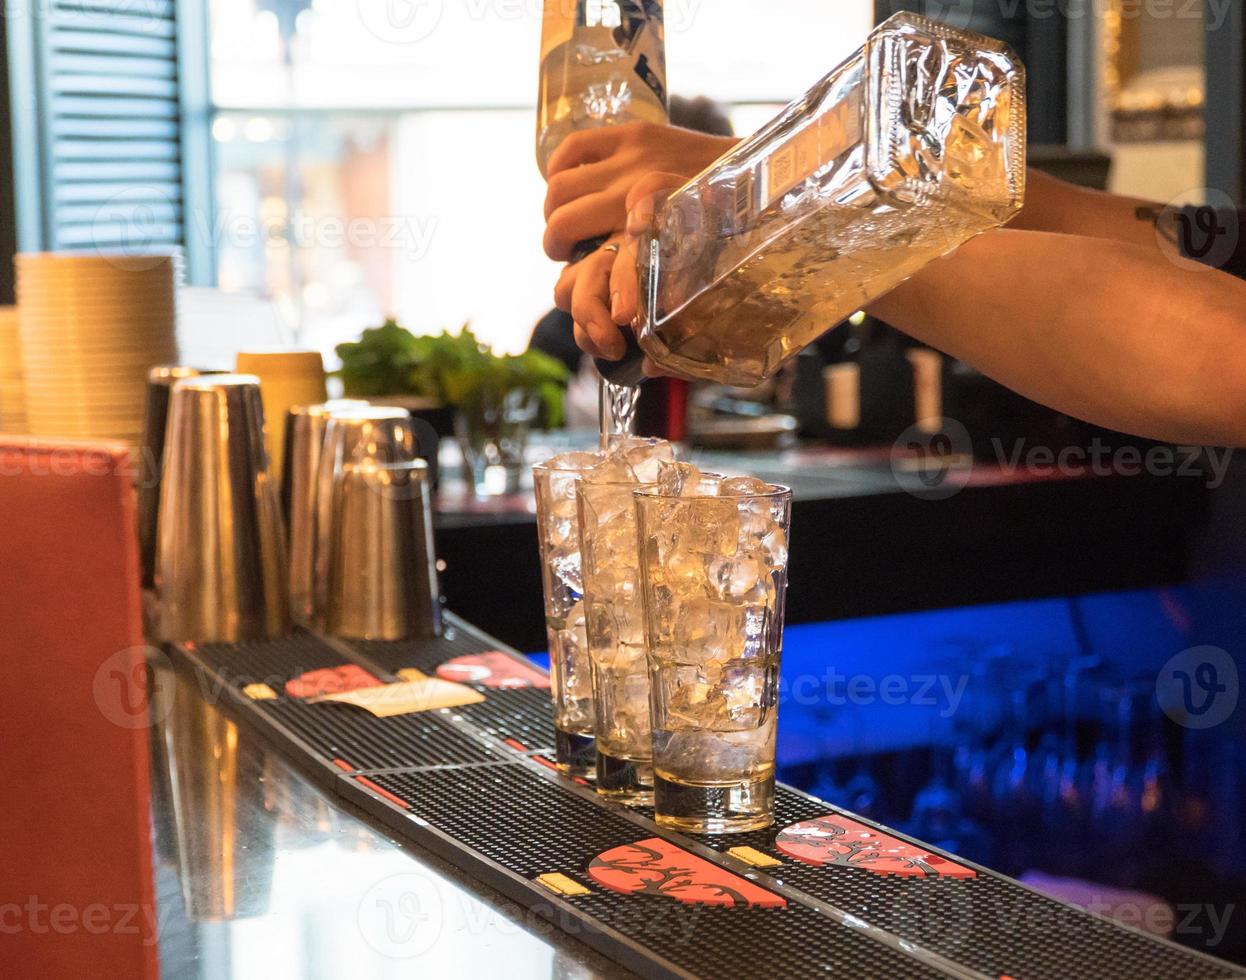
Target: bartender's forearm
[
  {"x": 1053, "y": 205},
  {"x": 1111, "y": 333}
]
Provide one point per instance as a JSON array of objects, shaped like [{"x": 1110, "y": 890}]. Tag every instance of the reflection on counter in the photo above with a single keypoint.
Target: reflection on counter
[{"x": 261, "y": 876}]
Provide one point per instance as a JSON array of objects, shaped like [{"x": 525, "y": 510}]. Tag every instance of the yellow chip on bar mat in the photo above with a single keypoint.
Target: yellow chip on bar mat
[
  {"x": 260, "y": 692},
  {"x": 562, "y": 885},
  {"x": 411, "y": 674},
  {"x": 750, "y": 855}
]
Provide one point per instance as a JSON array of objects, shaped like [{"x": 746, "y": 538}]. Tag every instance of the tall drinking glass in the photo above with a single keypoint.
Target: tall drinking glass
[
  {"x": 558, "y": 529},
  {"x": 713, "y": 561},
  {"x": 615, "y": 616}
]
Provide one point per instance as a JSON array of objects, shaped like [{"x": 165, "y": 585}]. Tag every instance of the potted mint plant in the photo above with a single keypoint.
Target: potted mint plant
[{"x": 495, "y": 400}]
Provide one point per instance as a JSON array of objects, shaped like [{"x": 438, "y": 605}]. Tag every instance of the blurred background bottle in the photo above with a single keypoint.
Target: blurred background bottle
[{"x": 602, "y": 62}]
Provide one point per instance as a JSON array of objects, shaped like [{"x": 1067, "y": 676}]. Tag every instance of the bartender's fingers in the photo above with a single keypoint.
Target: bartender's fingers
[
  {"x": 590, "y": 309},
  {"x": 570, "y": 185},
  {"x": 625, "y": 283},
  {"x": 591, "y": 216},
  {"x": 645, "y": 196},
  {"x": 585, "y": 146},
  {"x": 565, "y": 287},
  {"x": 585, "y": 342}
]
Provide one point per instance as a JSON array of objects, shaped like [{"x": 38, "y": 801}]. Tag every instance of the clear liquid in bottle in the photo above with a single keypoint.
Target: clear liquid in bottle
[
  {"x": 603, "y": 62},
  {"x": 897, "y": 157}
]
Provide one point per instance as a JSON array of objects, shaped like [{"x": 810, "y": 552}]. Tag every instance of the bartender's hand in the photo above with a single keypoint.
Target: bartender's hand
[
  {"x": 592, "y": 172},
  {"x": 601, "y": 291}
]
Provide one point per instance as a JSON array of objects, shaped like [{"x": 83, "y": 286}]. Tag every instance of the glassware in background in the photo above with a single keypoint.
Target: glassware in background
[
  {"x": 493, "y": 437},
  {"x": 558, "y": 531},
  {"x": 221, "y": 567},
  {"x": 863, "y": 794},
  {"x": 160, "y": 382},
  {"x": 373, "y": 557},
  {"x": 938, "y": 814},
  {"x": 714, "y": 561},
  {"x": 382, "y": 581},
  {"x": 879, "y": 169},
  {"x": 615, "y": 620},
  {"x": 300, "y": 475},
  {"x": 826, "y": 785},
  {"x": 287, "y": 378}
]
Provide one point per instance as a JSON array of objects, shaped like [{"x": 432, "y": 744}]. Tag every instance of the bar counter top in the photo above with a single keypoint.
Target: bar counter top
[{"x": 308, "y": 888}]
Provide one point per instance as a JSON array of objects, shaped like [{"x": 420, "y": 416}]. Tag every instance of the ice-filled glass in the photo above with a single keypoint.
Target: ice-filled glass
[
  {"x": 558, "y": 528},
  {"x": 713, "y": 558},
  {"x": 905, "y": 151},
  {"x": 615, "y": 617}
]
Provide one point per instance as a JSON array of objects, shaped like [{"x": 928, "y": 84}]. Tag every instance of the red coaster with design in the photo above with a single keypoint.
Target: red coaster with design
[
  {"x": 656, "y": 867},
  {"x": 331, "y": 680},
  {"x": 837, "y": 840},
  {"x": 493, "y": 670}
]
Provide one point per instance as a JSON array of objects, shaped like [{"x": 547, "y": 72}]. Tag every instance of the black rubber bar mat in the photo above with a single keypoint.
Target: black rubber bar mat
[{"x": 822, "y": 893}]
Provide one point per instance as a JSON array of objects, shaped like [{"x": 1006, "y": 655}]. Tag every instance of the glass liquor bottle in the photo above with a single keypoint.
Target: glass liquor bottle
[
  {"x": 908, "y": 149},
  {"x": 602, "y": 62}
]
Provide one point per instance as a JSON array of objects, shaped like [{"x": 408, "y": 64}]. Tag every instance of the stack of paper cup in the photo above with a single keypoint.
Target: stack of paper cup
[
  {"x": 12, "y": 388},
  {"x": 92, "y": 326}
]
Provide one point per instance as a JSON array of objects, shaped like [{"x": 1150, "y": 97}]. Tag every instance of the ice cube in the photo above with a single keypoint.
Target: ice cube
[
  {"x": 712, "y": 526},
  {"x": 707, "y": 630},
  {"x": 743, "y": 486},
  {"x": 567, "y": 569},
  {"x": 745, "y": 689},
  {"x": 774, "y": 548},
  {"x": 572, "y": 462},
  {"x": 672, "y": 478},
  {"x": 702, "y": 754},
  {"x": 734, "y": 577},
  {"x": 644, "y": 458}
]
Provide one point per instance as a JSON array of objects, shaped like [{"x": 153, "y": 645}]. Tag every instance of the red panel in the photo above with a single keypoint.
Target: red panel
[
  {"x": 330, "y": 680},
  {"x": 492, "y": 670},
  {"x": 837, "y": 840},
  {"x": 75, "y": 853},
  {"x": 656, "y": 867}
]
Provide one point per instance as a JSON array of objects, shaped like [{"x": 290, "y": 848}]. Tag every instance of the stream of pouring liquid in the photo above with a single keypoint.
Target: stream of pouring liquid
[{"x": 617, "y": 410}]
